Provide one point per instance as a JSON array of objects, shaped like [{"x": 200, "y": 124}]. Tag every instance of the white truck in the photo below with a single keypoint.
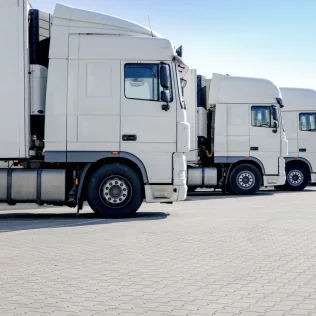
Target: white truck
[
  {"x": 237, "y": 140},
  {"x": 91, "y": 110},
  {"x": 299, "y": 117}
]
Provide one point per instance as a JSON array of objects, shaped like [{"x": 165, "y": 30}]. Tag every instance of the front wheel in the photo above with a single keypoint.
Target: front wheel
[
  {"x": 115, "y": 191},
  {"x": 245, "y": 180},
  {"x": 297, "y": 177}
]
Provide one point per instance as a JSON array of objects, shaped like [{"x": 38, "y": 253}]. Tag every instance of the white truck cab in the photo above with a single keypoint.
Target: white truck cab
[
  {"x": 299, "y": 117},
  {"x": 91, "y": 110},
  {"x": 237, "y": 138}
]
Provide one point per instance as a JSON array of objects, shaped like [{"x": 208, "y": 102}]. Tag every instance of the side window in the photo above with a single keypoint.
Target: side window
[
  {"x": 261, "y": 116},
  {"x": 307, "y": 122},
  {"x": 141, "y": 81}
]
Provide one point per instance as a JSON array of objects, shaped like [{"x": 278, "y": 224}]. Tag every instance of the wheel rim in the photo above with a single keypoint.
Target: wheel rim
[
  {"x": 245, "y": 180},
  {"x": 115, "y": 191},
  {"x": 295, "y": 177}
]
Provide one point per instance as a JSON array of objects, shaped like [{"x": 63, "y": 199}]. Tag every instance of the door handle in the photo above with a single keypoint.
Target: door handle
[
  {"x": 129, "y": 138},
  {"x": 254, "y": 148},
  {"x": 302, "y": 150}
]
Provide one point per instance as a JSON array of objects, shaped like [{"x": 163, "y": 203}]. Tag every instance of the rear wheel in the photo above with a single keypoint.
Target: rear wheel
[
  {"x": 115, "y": 191},
  {"x": 297, "y": 177},
  {"x": 245, "y": 179}
]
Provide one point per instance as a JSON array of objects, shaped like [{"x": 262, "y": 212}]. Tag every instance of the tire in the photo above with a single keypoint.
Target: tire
[
  {"x": 115, "y": 191},
  {"x": 297, "y": 177},
  {"x": 245, "y": 180}
]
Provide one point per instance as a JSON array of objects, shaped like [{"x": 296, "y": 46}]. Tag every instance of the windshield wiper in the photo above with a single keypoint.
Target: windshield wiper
[
  {"x": 311, "y": 130},
  {"x": 264, "y": 125}
]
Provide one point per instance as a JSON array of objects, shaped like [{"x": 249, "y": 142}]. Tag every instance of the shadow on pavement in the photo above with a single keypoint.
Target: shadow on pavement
[
  {"x": 219, "y": 195},
  {"x": 210, "y": 194},
  {"x": 293, "y": 192},
  {"x": 10, "y": 222}
]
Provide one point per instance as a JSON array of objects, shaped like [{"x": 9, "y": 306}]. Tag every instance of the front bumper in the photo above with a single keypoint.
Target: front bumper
[
  {"x": 173, "y": 192},
  {"x": 269, "y": 181},
  {"x": 165, "y": 193}
]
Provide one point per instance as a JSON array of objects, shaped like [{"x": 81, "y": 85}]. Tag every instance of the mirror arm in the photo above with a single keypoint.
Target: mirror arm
[{"x": 165, "y": 107}]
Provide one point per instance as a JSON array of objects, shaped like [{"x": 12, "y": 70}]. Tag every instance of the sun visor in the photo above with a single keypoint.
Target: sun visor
[{"x": 181, "y": 66}]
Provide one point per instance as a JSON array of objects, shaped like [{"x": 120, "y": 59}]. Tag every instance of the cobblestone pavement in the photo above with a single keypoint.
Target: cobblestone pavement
[{"x": 210, "y": 255}]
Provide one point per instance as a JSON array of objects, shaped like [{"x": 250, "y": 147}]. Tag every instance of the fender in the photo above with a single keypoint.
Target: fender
[
  {"x": 234, "y": 159},
  {"x": 102, "y": 155},
  {"x": 288, "y": 159},
  {"x": 91, "y": 157},
  {"x": 138, "y": 162}
]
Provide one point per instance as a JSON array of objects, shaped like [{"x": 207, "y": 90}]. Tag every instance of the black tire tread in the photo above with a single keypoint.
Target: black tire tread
[
  {"x": 305, "y": 182},
  {"x": 233, "y": 184},
  {"x": 95, "y": 201}
]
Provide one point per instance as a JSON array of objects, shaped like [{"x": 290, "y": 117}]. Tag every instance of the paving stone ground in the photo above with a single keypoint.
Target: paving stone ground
[{"x": 210, "y": 255}]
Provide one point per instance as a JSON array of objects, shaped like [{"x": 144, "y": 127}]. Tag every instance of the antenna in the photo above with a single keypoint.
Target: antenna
[{"x": 151, "y": 30}]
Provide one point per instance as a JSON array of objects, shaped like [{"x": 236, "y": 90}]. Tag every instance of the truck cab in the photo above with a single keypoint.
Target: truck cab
[
  {"x": 299, "y": 117},
  {"x": 237, "y": 137},
  {"x": 94, "y": 108}
]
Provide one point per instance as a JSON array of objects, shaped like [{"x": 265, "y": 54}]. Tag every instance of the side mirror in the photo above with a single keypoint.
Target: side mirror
[
  {"x": 165, "y": 97},
  {"x": 275, "y": 127},
  {"x": 274, "y": 113},
  {"x": 164, "y": 76}
]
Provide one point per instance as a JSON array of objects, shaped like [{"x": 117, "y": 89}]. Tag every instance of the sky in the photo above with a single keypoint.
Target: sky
[{"x": 272, "y": 39}]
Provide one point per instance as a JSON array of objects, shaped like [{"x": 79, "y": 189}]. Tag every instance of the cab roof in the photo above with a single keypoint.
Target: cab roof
[
  {"x": 94, "y": 20},
  {"x": 232, "y": 89},
  {"x": 298, "y": 99}
]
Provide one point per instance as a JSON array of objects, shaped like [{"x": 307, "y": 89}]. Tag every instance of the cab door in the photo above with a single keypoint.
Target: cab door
[
  {"x": 265, "y": 140},
  {"x": 148, "y": 127},
  {"x": 93, "y": 107},
  {"x": 307, "y": 136}
]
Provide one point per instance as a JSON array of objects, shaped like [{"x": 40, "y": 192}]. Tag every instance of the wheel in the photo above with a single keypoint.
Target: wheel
[
  {"x": 245, "y": 179},
  {"x": 115, "y": 191},
  {"x": 297, "y": 177}
]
